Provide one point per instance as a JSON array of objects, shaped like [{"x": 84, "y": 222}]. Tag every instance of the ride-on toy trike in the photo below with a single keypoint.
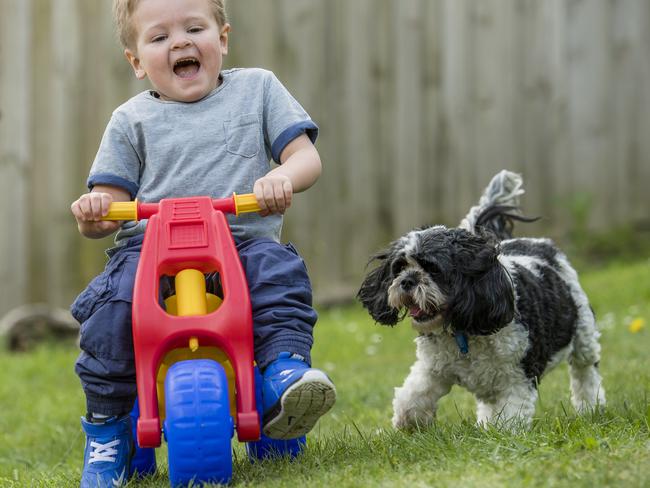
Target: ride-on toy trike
[{"x": 194, "y": 355}]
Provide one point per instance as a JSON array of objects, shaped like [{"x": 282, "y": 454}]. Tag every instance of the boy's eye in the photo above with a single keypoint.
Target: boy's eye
[
  {"x": 159, "y": 38},
  {"x": 194, "y": 30}
]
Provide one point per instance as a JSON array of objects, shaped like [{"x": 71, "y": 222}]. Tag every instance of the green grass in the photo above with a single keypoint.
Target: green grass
[{"x": 40, "y": 403}]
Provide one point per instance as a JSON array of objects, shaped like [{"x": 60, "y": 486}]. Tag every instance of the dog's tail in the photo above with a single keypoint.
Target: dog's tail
[{"x": 498, "y": 207}]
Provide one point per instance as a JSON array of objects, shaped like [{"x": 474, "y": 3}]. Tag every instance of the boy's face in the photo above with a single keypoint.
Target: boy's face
[{"x": 180, "y": 46}]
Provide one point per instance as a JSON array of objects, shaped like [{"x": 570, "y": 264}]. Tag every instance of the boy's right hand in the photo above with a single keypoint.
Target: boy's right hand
[{"x": 88, "y": 210}]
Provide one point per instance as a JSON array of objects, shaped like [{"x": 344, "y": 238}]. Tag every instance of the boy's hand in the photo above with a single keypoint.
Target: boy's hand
[
  {"x": 88, "y": 210},
  {"x": 300, "y": 167},
  {"x": 274, "y": 193}
]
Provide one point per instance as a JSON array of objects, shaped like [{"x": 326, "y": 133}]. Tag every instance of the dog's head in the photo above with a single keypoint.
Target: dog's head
[{"x": 440, "y": 277}]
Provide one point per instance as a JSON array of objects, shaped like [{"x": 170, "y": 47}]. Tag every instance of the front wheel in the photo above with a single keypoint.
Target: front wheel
[{"x": 198, "y": 425}]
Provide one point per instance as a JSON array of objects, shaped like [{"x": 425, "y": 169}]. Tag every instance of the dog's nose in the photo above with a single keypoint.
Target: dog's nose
[{"x": 408, "y": 282}]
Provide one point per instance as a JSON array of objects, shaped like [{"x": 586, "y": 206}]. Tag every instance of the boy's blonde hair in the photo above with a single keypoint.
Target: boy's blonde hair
[{"x": 123, "y": 11}]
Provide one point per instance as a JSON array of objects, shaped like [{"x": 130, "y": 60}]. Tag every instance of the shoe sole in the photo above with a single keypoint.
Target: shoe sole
[{"x": 300, "y": 407}]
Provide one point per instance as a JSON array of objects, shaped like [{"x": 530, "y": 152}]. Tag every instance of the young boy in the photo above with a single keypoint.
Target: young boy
[{"x": 200, "y": 131}]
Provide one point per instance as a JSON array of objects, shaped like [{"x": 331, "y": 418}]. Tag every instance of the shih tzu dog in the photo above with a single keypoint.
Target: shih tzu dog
[{"x": 493, "y": 314}]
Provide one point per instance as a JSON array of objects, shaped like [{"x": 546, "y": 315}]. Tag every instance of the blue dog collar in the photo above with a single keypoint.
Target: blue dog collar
[{"x": 461, "y": 340}]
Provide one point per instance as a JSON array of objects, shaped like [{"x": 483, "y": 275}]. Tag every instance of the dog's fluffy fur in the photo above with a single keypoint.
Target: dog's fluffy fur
[{"x": 514, "y": 305}]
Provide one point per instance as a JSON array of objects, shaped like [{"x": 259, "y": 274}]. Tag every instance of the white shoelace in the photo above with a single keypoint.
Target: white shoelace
[{"x": 103, "y": 452}]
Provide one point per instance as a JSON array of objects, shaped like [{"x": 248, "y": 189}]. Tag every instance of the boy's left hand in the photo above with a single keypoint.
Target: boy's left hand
[{"x": 274, "y": 193}]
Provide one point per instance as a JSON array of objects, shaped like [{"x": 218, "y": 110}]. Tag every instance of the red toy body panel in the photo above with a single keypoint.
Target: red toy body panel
[{"x": 191, "y": 233}]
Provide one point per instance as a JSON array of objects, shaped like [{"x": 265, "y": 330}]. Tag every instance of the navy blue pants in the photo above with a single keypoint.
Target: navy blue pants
[{"x": 281, "y": 299}]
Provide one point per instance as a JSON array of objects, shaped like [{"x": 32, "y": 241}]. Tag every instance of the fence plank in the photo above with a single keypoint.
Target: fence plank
[
  {"x": 435, "y": 158},
  {"x": 384, "y": 161},
  {"x": 640, "y": 168},
  {"x": 589, "y": 88},
  {"x": 15, "y": 151},
  {"x": 357, "y": 145},
  {"x": 630, "y": 117},
  {"x": 540, "y": 93},
  {"x": 459, "y": 85},
  {"x": 496, "y": 83},
  {"x": 407, "y": 162},
  {"x": 65, "y": 143},
  {"x": 41, "y": 130}
]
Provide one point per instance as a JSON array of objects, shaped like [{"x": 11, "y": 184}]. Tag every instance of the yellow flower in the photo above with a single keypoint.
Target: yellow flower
[{"x": 636, "y": 325}]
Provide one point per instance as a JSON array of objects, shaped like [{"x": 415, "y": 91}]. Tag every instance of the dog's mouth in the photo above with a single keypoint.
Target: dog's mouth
[
  {"x": 187, "y": 67},
  {"x": 422, "y": 303},
  {"x": 419, "y": 315}
]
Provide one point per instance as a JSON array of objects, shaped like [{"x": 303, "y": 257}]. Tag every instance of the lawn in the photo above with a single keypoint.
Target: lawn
[{"x": 41, "y": 442}]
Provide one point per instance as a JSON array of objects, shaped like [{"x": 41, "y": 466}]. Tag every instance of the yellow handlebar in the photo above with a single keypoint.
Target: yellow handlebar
[
  {"x": 122, "y": 211},
  {"x": 236, "y": 204},
  {"x": 246, "y": 203}
]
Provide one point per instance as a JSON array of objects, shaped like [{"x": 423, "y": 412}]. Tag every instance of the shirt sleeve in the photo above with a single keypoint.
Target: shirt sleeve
[
  {"x": 284, "y": 118},
  {"x": 117, "y": 162}
]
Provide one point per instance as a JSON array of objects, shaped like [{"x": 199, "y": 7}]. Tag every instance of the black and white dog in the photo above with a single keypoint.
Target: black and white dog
[{"x": 493, "y": 314}]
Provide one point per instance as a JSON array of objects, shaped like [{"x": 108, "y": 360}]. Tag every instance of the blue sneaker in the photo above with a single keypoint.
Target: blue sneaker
[
  {"x": 109, "y": 447},
  {"x": 294, "y": 397}
]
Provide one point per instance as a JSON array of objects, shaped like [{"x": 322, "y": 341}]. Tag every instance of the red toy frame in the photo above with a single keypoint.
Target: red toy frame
[{"x": 191, "y": 233}]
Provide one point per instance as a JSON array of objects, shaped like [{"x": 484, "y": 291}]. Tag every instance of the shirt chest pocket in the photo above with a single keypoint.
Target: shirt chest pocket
[{"x": 243, "y": 135}]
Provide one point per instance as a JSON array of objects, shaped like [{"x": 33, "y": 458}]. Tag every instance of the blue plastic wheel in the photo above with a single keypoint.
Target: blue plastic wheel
[
  {"x": 198, "y": 425},
  {"x": 267, "y": 448}
]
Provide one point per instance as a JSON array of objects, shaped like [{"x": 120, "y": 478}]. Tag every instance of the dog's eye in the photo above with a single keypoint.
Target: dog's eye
[
  {"x": 431, "y": 267},
  {"x": 398, "y": 265}
]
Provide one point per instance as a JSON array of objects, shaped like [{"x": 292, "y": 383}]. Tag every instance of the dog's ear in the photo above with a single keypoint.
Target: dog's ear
[
  {"x": 373, "y": 293},
  {"x": 482, "y": 300}
]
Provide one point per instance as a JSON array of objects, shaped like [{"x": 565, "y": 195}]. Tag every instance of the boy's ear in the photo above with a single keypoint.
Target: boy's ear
[
  {"x": 223, "y": 39},
  {"x": 134, "y": 61}
]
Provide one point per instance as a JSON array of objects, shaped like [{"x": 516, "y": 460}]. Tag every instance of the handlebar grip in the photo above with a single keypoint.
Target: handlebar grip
[
  {"x": 122, "y": 211},
  {"x": 245, "y": 203}
]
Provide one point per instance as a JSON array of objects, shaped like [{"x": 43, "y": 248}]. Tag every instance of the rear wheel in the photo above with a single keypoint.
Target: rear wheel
[{"x": 198, "y": 425}]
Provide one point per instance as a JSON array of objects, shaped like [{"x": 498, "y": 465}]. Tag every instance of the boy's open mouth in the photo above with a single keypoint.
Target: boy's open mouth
[{"x": 186, "y": 67}]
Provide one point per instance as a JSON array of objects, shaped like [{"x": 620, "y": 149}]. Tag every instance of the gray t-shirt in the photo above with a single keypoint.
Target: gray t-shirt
[{"x": 218, "y": 145}]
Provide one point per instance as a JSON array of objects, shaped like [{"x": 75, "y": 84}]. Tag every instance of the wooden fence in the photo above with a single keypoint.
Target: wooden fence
[{"x": 419, "y": 103}]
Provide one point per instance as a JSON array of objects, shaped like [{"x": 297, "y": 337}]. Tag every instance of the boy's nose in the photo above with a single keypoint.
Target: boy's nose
[{"x": 180, "y": 42}]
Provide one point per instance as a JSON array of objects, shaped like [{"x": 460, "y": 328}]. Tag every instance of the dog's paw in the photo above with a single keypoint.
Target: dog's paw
[
  {"x": 411, "y": 422},
  {"x": 589, "y": 401},
  {"x": 400, "y": 422}
]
